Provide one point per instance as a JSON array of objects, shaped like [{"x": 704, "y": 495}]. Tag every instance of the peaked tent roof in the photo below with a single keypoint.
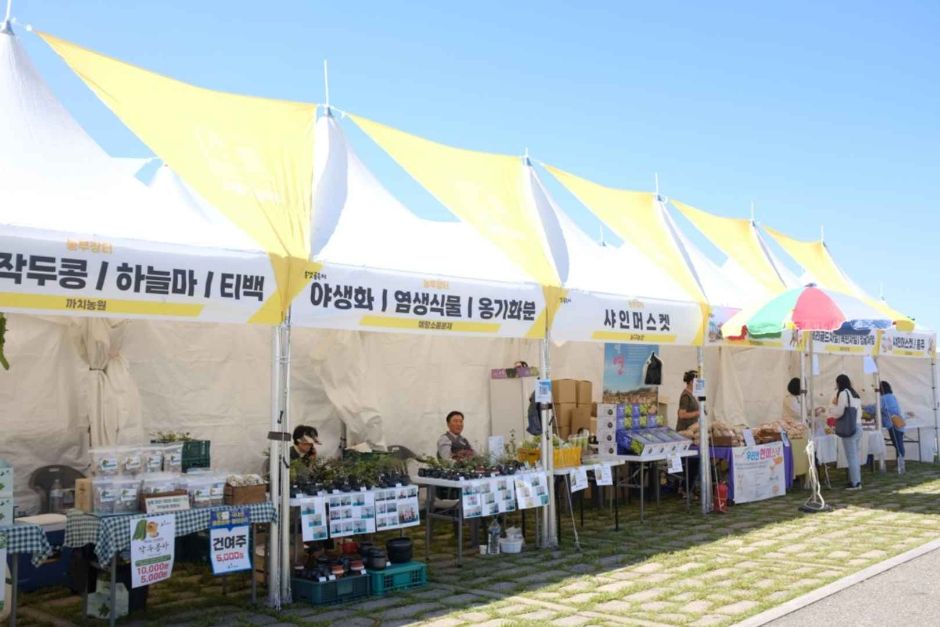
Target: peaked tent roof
[
  {"x": 484, "y": 190},
  {"x": 68, "y": 205},
  {"x": 252, "y": 158},
  {"x": 821, "y": 268},
  {"x": 740, "y": 240},
  {"x": 636, "y": 217}
]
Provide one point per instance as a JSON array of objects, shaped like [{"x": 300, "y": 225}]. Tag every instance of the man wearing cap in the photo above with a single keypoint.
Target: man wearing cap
[{"x": 305, "y": 437}]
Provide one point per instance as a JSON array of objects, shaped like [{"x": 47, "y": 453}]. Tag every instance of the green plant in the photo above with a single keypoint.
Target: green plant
[{"x": 171, "y": 436}]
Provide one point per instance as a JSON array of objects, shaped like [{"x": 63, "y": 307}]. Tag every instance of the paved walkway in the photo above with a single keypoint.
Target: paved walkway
[{"x": 907, "y": 594}]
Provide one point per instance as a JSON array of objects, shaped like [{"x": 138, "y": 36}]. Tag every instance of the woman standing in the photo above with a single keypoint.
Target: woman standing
[
  {"x": 892, "y": 421},
  {"x": 688, "y": 415},
  {"x": 847, "y": 398}
]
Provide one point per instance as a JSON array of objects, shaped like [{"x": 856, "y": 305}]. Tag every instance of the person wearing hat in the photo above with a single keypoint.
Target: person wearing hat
[{"x": 305, "y": 437}]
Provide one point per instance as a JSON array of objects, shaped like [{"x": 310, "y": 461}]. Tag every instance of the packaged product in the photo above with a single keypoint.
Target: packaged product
[
  {"x": 173, "y": 457},
  {"x": 152, "y": 459},
  {"x": 159, "y": 483},
  {"x": 105, "y": 462},
  {"x": 127, "y": 495},
  {"x": 103, "y": 494},
  {"x": 130, "y": 460}
]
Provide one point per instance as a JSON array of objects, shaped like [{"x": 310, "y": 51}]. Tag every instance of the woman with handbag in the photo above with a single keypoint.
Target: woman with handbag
[
  {"x": 892, "y": 421},
  {"x": 848, "y": 414}
]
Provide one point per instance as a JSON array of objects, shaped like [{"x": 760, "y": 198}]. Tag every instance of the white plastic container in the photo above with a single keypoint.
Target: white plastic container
[
  {"x": 199, "y": 487},
  {"x": 510, "y": 545},
  {"x": 130, "y": 460},
  {"x": 173, "y": 457},
  {"x": 159, "y": 483},
  {"x": 104, "y": 494},
  {"x": 152, "y": 459},
  {"x": 105, "y": 462},
  {"x": 127, "y": 496}
]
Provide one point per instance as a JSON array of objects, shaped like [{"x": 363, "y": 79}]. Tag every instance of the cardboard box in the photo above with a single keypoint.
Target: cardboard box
[
  {"x": 594, "y": 409},
  {"x": 563, "y": 413},
  {"x": 83, "y": 495},
  {"x": 245, "y": 494},
  {"x": 585, "y": 392},
  {"x": 6, "y": 511},
  {"x": 581, "y": 418},
  {"x": 564, "y": 391}
]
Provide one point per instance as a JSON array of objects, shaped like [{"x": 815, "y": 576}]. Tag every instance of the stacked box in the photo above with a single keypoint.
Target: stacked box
[
  {"x": 609, "y": 421},
  {"x": 6, "y": 493}
]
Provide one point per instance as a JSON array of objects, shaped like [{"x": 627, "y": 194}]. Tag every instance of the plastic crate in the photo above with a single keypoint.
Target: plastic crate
[
  {"x": 196, "y": 454},
  {"x": 398, "y": 577},
  {"x": 329, "y": 592}
]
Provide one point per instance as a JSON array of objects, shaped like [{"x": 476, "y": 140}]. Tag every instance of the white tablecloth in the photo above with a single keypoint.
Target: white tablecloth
[{"x": 872, "y": 443}]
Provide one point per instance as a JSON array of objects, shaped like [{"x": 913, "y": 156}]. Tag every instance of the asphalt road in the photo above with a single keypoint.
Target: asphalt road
[{"x": 908, "y": 595}]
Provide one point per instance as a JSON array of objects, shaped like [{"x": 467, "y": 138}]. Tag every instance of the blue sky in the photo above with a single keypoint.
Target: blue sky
[{"x": 819, "y": 113}]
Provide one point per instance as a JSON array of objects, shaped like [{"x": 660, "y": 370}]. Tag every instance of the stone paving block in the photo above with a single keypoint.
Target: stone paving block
[
  {"x": 737, "y": 608},
  {"x": 443, "y": 622},
  {"x": 614, "y": 607},
  {"x": 472, "y": 617},
  {"x": 258, "y": 619},
  {"x": 651, "y": 567},
  {"x": 578, "y": 599},
  {"x": 708, "y": 620},
  {"x": 509, "y": 610},
  {"x": 644, "y": 595},
  {"x": 377, "y": 604},
  {"x": 409, "y": 610},
  {"x": 538, "y": 615},
  {"x": 503, "y": 586},
  {"x": 459, "y": 599},
  {"x": 696, "y": 607},
  {"x": 571, "y": 621},
  {"x": 493, "y": 623},
  {"x": 577, "y": 586},
  {"x": 655, "y": 606}
]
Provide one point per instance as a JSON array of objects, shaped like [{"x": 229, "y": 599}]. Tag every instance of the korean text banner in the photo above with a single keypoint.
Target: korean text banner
[
  {"x": 342, "y": 297},
  {"x": 899, "y": 344},
  {"x": 591, "y": 317},
  {"x": 84, "y": 276},
  {"x": 844, "y": 343}
]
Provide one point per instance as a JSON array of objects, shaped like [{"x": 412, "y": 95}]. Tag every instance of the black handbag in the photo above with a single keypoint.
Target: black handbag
[{"x": 654, "y": 371}]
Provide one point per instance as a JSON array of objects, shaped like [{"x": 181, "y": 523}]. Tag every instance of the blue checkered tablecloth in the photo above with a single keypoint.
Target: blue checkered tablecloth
[
  {"x": 26, "y": 538},
  {"x": 111, "y": 534}
]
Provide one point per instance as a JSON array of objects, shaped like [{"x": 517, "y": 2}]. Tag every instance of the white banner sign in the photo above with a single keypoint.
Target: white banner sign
[
  {"x": 579, "y": 479},
  {"x": 313, "y": 519},
  {"x": 87, "y": 277},
  {"x": 352, "y": 513},
  {"x": 759, "y": 472},
  {"x": 396, "y": 507},
  {"x": 153, "y": 548},
  {"x": 584, "y": 316},
  {"x": 844, "y": 343},
  {"x": 341, "y": 297},
  {"x": 531, "y": 490},
  {"x": 918, "y": 345}
]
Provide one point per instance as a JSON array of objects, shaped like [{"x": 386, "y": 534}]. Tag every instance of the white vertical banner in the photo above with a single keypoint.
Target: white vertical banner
[{"x": 153, "y": 549}]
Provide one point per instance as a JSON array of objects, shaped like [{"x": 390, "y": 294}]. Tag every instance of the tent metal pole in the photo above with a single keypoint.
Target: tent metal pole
[
  {"x": 549, "y": 537},
  {"x": 6, "y": 19},
  {"x": 936, "y": 422},
  {"x": 274, "y": 477},
  {"x": 704, "y": 474},
  {"x": 881, "y": 464},
  {"x": 285, "y": 330}
]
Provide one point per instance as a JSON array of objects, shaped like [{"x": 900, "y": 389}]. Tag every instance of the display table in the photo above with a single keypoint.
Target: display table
[
  {"x": 800, "y": 459},
  {"x": 23, "y": 538},
  {"x": 455, "y": 514},
  {"x": 637, "y": 478},
  {"x": 726, "y": 453},
  {"x": 110, "y": 534},
  {"x": 568, "y": 472}
]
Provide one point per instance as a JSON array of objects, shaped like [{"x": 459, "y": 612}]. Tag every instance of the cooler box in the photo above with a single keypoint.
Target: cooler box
[{"x": 52, "y": 573}]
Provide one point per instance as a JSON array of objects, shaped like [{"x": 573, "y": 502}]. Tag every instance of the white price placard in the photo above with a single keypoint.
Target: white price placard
[
  {"x": 579, "y": 480},
  {"x": 749, "y": 438},
  {"x": 153, "y": 549},
  {"x": 675, "y": 465},
  {"x": 603, "y": 474},
  {"x": 313, "y": 523},
  {"x": 229, "y": 551},
  {"x": 543, "y": 391}
]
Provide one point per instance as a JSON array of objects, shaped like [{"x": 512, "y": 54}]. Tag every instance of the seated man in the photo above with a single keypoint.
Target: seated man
[{"x": 452, "y": 445}]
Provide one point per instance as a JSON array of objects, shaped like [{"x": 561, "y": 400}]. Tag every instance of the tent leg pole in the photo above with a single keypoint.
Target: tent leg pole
[
  {"x": 704, "y": 473},
  {"x": 274, "y": 468},
  {"x": 286, "y": 565},
  {"x": 549, "y": 537},
  {"x": 881, "y": 464},
  {"x": 936, "y": 422},
  {"x": 815, "y": 502}
]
